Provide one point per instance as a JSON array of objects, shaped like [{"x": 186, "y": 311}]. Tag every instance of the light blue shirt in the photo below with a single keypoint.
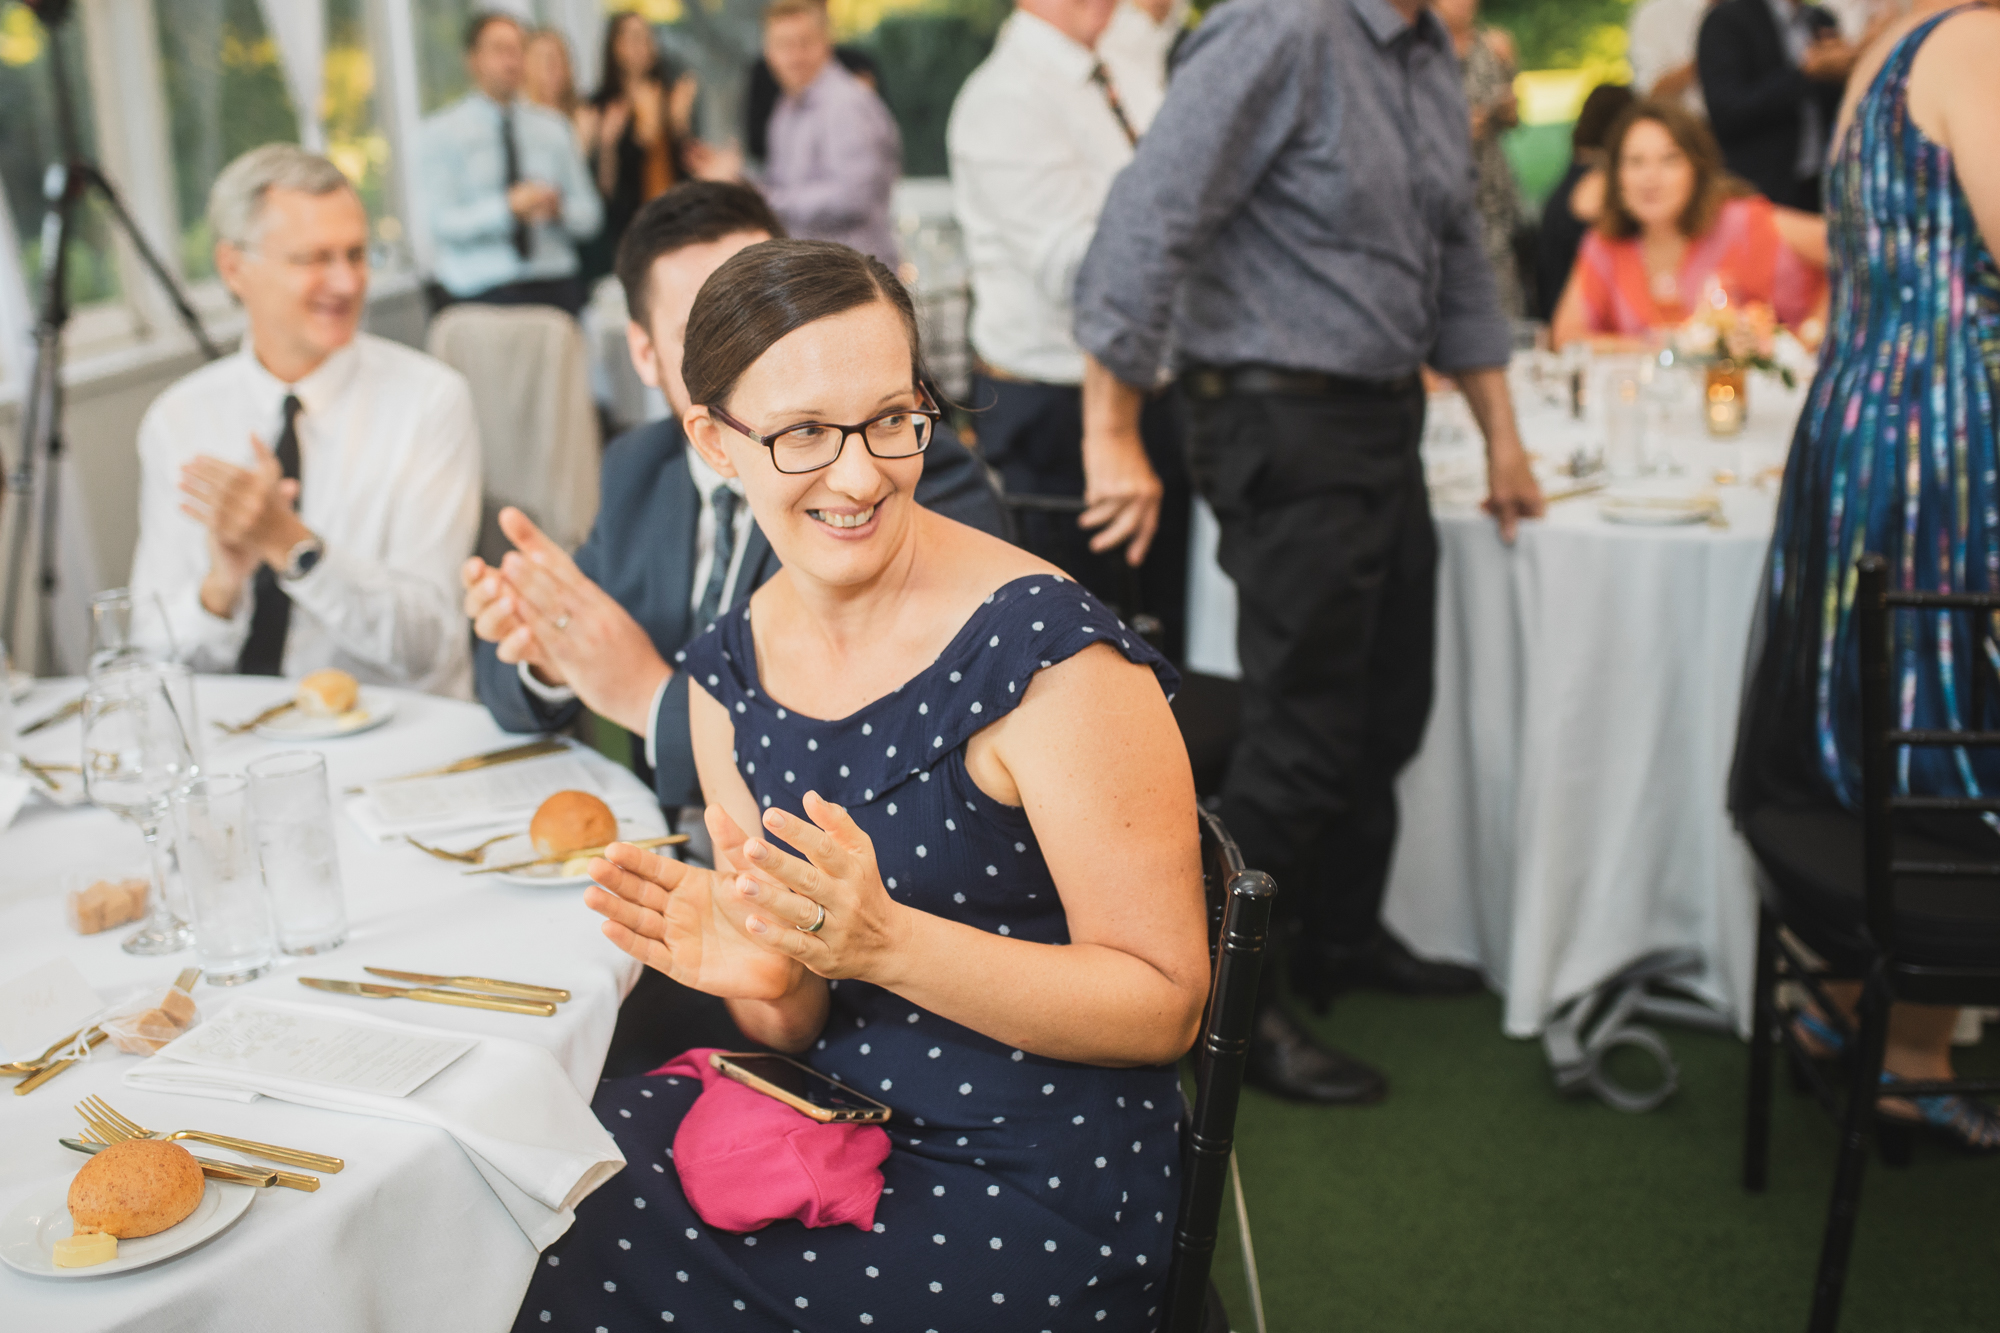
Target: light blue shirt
[{"x": 463, "y": 178}]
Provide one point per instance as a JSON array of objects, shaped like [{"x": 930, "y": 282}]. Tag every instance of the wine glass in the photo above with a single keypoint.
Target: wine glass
[
  {"x": 135, "y": 753},
  {"x": 126, "y": 629}
]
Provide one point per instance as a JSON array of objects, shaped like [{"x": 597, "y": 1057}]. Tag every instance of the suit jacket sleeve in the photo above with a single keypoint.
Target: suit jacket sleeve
[
  {"x": 674, "y": 778},
  {"x": 954, "y": 484},
  {"x": 1742, "y": 97}
]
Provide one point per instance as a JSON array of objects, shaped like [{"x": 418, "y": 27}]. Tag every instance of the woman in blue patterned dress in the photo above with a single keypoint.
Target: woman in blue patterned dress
[
  {"x": 1896, "y": 453},
  {"x": 958, "y": 869}
]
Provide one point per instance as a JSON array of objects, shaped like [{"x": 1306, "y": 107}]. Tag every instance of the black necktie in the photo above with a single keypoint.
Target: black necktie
[
  {"x": 1102, "y": 78},
  {"x": 264, "y": 651},
  {"x": 724, "y": 503},
  {"x": 523, "y": 242}
]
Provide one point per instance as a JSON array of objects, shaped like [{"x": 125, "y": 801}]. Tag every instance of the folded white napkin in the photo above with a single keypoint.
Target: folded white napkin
[
  {"x": 502, "y": 799},
  {"x": 508, "y": 1103}
]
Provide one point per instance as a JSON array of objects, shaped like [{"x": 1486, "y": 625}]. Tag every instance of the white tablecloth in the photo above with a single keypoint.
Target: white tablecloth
[
  {"x": 1565, "y": 814},
  {"x": 409, "y": 1236}
]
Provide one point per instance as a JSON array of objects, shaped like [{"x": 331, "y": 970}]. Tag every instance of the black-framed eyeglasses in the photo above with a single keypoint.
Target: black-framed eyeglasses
[{"x": 812, "y": 445}]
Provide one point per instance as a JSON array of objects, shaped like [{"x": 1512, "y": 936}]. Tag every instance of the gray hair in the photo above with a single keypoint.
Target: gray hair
[{"x": 236, "y": 201}]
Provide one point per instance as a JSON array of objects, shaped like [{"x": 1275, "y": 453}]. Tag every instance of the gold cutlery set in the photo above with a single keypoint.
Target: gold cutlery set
[
  {"x": 251, "y": 724},
  {"x": 106, "y": 1127},
  {"x": 513, "y": 753},
  {"x": 507, "y": 997}
]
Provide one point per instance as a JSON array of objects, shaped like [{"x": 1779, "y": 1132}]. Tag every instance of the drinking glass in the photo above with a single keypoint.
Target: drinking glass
[
  {"x": 117, "y": 636},
  {"x": 1625, "y": 429},
  {"x": 293, "y": 811},
  {"x": 233, "y": 938},
  {"x": 135, "y": 753},
  {"x": 178, "y": 680}
]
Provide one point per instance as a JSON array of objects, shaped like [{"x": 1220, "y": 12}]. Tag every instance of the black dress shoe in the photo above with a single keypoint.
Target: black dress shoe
[
  {"x": 1322, "y": 971},
  {"x": 1287, "y": 1060}
]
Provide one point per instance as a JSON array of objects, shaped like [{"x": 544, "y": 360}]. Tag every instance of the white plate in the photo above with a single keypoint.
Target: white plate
[
  {"x": 368, "y": 713},
  {"x": 520, "y": 848},
  {"x": 30, "y": 1232},
  {"x": 1657, "y": 511}
]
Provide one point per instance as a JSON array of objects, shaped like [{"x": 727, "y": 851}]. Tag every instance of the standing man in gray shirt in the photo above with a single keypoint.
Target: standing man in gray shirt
[{"x": 1299, "y": 223}]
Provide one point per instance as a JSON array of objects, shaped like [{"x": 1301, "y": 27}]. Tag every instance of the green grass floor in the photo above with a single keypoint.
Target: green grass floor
[{"x": 1477, "y": 1199}]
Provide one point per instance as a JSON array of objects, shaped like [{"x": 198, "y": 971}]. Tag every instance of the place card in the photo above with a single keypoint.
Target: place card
[
  {"x": 271, "y": 1041},
  {"x": 483, "y": 794},
  {"x": 40, "y": 1007}
]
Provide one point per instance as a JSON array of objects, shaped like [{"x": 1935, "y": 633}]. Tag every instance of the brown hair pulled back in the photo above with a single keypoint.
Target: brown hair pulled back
[
  {"x": 1713, "y": 185},
  {"x": 768, "y": 290}
]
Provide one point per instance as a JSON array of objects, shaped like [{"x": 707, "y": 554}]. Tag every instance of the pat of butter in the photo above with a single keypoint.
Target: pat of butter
[
  {"x": 576, "y": 865},
  {"x": 86, "y": 1250}
]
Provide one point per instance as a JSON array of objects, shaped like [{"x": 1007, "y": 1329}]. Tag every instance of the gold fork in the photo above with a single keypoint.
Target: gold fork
[
  {"x": 471, "y": 856},
  {"x": 275, "y": 710},
  {"x": 96, "y": 1111},
  {"x": 249, "y": 1175}
]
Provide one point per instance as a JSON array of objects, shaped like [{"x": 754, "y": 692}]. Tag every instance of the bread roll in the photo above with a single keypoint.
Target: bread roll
[
  {"x": 328, "y": 693},
  {"x": 136, "y": 1188},
  {"x": 570, "y": 820}
]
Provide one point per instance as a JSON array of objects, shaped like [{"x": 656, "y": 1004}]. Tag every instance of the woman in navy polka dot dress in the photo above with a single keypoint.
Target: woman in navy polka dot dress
[{"x": 962, "y": 770}]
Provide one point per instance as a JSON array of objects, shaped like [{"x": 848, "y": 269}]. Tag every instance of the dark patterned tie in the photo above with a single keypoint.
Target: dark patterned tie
[
  {"x": 271, "y": 617},
  {"x": 523, "y": 242},
  {"x": 1102, "y": 78},
  {"x": 724, "y": 503}
]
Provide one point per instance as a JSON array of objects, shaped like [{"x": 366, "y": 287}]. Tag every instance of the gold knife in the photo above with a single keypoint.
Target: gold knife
[
  {"x": 532, "y": 750},
  {"x": 538, "y": 1008},
  {"x": 644, "y": 844},
  {"x": 47, "y": 1072},
  {"x": 518, "y": 989},
  {"x": 275, "y": 710},
  {"x": 234, "y": 1172},
  {"x": 63, "y": 714}
]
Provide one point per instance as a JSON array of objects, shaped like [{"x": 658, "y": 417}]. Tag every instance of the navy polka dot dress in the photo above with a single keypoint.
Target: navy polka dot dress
[{"x": 1022, "y": 1192}]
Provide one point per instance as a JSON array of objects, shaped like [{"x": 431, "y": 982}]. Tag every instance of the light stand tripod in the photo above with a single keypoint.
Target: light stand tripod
[{"x": 65, "y": 188}]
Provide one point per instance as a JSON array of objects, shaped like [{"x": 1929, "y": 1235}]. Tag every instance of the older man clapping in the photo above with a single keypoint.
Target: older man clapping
[{"x": 306, "y": 502}]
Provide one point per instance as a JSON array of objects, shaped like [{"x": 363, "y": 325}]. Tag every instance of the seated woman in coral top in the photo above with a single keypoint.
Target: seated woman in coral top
[{"x": 1677, "y": 231}]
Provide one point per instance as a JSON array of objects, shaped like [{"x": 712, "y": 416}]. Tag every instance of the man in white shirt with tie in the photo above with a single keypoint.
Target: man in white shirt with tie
[
  {"x": 1036, "y": 135},
  {"x": 306, "y": 502}
]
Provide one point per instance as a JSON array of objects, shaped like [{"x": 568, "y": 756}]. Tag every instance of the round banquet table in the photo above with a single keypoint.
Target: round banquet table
[
  {"x": 409, "y": 1235},
  {"x": 1566, "y": 812}
]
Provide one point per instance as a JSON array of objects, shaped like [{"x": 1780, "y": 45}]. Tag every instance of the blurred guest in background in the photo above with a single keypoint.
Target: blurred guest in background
[
  {"x": 834, "y": 152},
  {"x": 1677, "y": 232},
  {"x": 1306, "y": 260},
  {"x": 1862, "y": 21},
  {"x": 548, "y": 79},
  {"x": 761, "y": 93},
  {"x": 1036, "y": 135},
  {"x": 673, "y": 545},
  {"x": 642, "y": 128},
  {"x": 506, "y": 194},
  {"x": 1137, "y": 46},
  {"x": 1771, "y": 74},
  {"x": 1486, "y": 64},
  {"x": 1578, "y": 198},
  {"x": 1901, "y": 463},
  {"x": 306, "y": 502},
  {"x": 1660, "y": 44}
]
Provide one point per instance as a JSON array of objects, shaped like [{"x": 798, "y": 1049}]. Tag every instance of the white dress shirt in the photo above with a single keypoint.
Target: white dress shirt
[
  {"x": 1661, "y": 39},
  {"x": 1135, "y": 49},
  {"x": 707, "y": 481},
  {"x": 1034, "y": 146},
  {"x": 389, "y": 481}
]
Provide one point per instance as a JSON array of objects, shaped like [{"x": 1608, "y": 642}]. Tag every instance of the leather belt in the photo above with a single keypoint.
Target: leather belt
[{"x": 1208, "y": 383}]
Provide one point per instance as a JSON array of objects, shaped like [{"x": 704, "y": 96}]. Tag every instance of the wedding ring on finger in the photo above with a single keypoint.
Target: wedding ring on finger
[
  {"x": 562, "y": 622},
  {"x": 814, "y": 928}
]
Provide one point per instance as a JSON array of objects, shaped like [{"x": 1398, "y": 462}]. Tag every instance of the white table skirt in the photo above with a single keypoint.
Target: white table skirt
[
  {"x": 409, "y": 1236},
  {"x": 1566, "y": 812}
]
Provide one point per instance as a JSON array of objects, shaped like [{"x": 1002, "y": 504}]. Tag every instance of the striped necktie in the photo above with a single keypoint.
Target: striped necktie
[
  {"x": 1102, "y": 78},
  {"x": 724, "y": 504}
]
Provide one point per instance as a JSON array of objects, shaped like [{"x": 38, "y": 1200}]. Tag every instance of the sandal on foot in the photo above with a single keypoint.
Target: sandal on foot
[
  {"x": 1966, "y": 1123},
  {"x": 1820, "y": 1039}
]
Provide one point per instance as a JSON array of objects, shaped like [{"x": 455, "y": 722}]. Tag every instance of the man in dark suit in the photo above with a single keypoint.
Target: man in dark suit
[
  {"x": 1772, "y": 72},
  {"x": 673, "y": 545}
]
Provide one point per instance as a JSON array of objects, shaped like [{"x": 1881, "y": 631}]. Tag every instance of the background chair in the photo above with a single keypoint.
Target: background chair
[
  {"x": 1239, "y": 904},
  {"x": 1908, "y": 916},
  {"x": 538, "y": 432}
]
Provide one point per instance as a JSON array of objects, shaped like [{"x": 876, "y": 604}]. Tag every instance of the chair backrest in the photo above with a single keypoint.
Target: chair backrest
[
  {"x": 1881, "y": 739},
  {"x": 1239, "y": 903},
  {"x": 1018, "y": 511},
  {"x": 539, "y": 441}
]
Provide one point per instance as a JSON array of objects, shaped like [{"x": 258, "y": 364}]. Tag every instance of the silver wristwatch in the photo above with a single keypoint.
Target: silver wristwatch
[{"x": 302, "y": 559}]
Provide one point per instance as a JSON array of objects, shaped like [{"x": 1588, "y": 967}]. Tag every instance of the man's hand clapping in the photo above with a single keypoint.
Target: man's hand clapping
[
  {"x": 250, "y": 518},
  {"x": 538, "y": 608}
]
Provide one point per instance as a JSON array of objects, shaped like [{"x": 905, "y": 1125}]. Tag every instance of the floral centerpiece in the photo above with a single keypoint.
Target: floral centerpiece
[{"x": 1730, "y": 340}]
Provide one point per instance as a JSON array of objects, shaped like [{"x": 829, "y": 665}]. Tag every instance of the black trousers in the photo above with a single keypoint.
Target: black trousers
[
  {"x": 1326, "y": 531},
  {"x": 1032, "y": 435}
]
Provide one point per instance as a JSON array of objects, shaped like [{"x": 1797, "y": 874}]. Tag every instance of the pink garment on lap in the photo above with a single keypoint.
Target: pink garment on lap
[{"x": 746, "y": 1160}]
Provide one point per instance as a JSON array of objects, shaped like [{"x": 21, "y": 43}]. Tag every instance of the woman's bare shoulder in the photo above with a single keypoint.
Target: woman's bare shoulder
[{"x": 976, "y": 563}]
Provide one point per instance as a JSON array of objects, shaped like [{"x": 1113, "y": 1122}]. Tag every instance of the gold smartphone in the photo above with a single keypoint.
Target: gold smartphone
[{"x": 806, "y": 1091}]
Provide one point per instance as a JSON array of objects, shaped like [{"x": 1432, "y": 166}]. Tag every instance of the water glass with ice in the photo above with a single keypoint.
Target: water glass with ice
[
  {"x": 233, "y": 936},
  {"x": 293, "y": 808}
]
